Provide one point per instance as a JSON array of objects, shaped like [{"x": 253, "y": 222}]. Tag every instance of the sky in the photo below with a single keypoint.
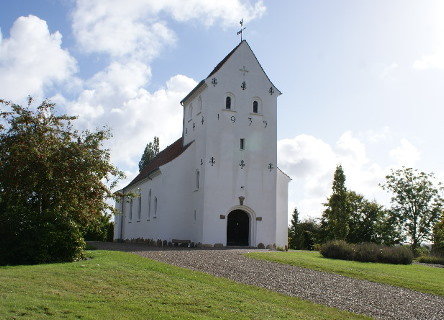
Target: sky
[{"x": 362, "y": 81}]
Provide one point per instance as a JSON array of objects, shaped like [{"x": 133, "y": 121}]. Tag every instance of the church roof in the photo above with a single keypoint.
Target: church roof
[{"x": 168, "y": 154}]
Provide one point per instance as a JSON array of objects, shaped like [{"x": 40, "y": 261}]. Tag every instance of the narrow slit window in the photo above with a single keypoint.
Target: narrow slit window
[
  {"x": 155, "y": 206},
  {"x": 228, "y": 103},
  {"x": 242, "y": 144},
  {"x": 255, "y": 106},
  {"x": 197, "y": 179}
]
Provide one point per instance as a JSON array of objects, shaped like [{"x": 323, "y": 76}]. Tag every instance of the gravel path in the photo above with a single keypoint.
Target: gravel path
[{"x": 360, "y": 296}]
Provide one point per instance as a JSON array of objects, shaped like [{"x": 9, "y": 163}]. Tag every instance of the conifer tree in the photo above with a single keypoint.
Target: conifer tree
[
  {"x": 150, "y": 152},
  {"x": 335, "y": 219}
]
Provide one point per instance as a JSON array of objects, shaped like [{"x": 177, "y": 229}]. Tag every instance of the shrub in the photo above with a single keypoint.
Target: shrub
[
  {"x": 395, "y": 255},
  {"x": 366, "y": 252},
  {"x": 431, "y": 259},
  {"x": 337, "y": 249}
]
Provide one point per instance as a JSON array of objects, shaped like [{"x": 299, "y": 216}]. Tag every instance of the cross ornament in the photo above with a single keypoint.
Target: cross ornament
[
  {"x": 212, "y": 161},
  {"x": 244, "y": 70},
  {"x": 244, "y": 85}
]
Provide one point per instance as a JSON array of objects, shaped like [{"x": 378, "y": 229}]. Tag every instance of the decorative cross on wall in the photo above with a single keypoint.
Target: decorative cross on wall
[
  {"x": 270, "y": 166},
  {"x": 244, "y": 85},
  {"x": 244, "y": 70},
  {"x": 242, "y": 164},
  {"x": 212, "y": 161},
  {"x": 271, "y": 91}
]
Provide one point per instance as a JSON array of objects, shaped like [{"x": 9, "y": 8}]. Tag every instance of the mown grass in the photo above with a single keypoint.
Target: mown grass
[
  {"x": 118, "y": 285},
  {"x": 416, "y": 277}
]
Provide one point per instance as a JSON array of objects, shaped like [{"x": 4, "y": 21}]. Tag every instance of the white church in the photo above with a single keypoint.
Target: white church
[{"x": 219, "y": 184}]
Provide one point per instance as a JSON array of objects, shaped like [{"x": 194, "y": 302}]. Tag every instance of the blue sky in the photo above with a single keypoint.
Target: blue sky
[{"x": 362, "y": 81}]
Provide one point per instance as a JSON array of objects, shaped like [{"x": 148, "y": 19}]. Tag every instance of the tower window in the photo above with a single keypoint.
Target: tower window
[
  {"x": 242, "y": 144},
  {"x": 228, "y": 103},
  {"x": 255, "y": 106}
]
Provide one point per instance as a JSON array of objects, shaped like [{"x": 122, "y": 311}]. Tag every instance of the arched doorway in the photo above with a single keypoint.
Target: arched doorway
[{"x": 238, "y": 228}]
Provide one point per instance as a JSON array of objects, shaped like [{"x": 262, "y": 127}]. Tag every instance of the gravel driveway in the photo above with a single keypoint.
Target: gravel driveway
[{"x": 360, "y": 296}]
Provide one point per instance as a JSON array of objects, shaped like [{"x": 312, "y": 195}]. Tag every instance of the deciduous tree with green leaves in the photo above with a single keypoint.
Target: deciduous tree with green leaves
[
  {"x": 54, "y": 182},
  {"x": 417, "y": 203},
  {"x": 151, "y": 150}
]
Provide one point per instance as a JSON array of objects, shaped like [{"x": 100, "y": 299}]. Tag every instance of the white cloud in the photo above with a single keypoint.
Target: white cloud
[
  {"x": 432, "y": 61},
  {"x": 32, "y": 59},
  {"x": 389, "y": 71},
  {"x": 311, "y": 163},
  {"x": 406, "y": 154},
  {"x": 121, "y": 30}
]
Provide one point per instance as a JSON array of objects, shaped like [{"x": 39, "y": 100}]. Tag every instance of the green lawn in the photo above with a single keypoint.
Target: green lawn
[
  {"x": 417, "y": 277},
  {"x": 118, "y": 285}
]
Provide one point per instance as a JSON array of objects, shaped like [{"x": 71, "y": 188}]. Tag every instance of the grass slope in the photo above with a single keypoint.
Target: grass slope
[
  {"x": 416, "y": 277},
  {"x": 117, "y": 285}
]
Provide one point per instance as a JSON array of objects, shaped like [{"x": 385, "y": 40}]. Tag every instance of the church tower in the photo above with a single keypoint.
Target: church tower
[{"x": 231, "y": 118}]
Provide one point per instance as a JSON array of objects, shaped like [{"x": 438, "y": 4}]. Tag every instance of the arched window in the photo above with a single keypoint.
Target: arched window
[
  {"x": 255, "y": 106},
  {"x": 139, "y": 207},
  {"x": 131, "y": 210},
  {"x": 149, "y": 205},
  {"x": 155, "y": 207},
  {"x": 199, "y": 104},
  {"x": 190, "y": 111},
  {"x": 228, "y": 103}
]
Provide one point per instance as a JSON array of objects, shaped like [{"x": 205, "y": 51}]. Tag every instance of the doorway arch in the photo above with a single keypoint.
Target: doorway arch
[{"x": 238, "y": 228}]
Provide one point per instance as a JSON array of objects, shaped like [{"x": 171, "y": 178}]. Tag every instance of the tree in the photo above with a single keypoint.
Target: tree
[
  {"x": 416, "y": 203},
  {"x": 438, "y": 238},
  {"x": 295, "y": 237},
  {"x": 151, "y": 150},
  {"x": 336, "y": 216},
  {"x": 53, "y": 184}
]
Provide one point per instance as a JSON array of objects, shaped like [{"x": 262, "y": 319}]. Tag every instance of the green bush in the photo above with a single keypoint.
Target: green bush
[
  {"x": 28, "y": 237},
  {"x": 431, "y": 259},
  {"x": 337, "y": 249},
  {"x": 395, "y": 255},
  {"x": 366, "y": 252}
]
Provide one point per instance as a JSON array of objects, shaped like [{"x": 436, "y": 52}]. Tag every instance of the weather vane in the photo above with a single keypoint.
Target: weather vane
[{"x": 240, "y": 32}]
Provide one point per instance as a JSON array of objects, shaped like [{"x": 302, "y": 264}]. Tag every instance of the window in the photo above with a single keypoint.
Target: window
[
  {"x": 199, "y": 104},
  {"x": 197, "y": 179},
  {"x": 255, "y": 106},
  {"x": 149, "y": 205},
  {"x": 131, "y": 210},
  {"x": 195, "y": 215},
  {"x": 242, "y": 144},
  {"x": 139, "y": 209},
  {"x": 228, "y": 103},
  {"x": 190, "y": 111},
  {"x": 155, "y": 207}
]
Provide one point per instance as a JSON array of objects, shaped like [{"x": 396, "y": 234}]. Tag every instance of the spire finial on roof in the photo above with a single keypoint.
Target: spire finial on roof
[{"x": 240, "y": 32}]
